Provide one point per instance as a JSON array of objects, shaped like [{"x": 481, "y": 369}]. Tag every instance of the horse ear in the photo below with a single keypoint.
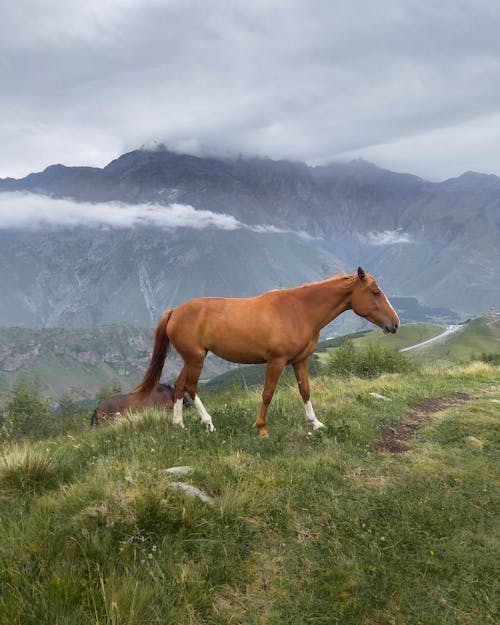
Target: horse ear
[{"x": 361, "y": 273}]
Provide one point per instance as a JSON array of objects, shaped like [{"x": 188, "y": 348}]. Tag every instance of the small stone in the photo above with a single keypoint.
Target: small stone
[
  {"x": 496, "y": 401},
  {"x": 193, "y": 490},
  {"x": 179, "y": 470},
  {"x": 472, "y": 441},
  {"x": 379, "y": 396}
]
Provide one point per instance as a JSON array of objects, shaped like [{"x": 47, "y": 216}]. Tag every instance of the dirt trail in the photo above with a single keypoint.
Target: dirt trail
[{"x": 392, "y": 436}]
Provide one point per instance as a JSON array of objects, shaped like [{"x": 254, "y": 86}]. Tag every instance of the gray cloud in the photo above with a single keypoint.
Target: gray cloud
[{"x": 412, "y": 85}]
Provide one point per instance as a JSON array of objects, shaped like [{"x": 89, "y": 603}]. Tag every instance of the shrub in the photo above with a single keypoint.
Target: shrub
[
  {"x": 342, "y": 360},
  {"x": 492, "y": 358},
  {"x": 27, "y": 414},
  {"x": 367, "y": 362}
]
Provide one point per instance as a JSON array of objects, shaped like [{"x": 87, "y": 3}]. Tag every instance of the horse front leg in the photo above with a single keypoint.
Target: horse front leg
[
  {"x": 273, "y": 372},
  {"x": 301, "y": 370}
]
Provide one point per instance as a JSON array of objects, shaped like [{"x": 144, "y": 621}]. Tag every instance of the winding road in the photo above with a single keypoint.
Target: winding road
[{"x": 449, "y": 330}]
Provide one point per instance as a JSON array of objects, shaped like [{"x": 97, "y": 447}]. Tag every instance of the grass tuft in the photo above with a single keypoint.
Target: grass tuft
[{"x": 28, "y": 470}]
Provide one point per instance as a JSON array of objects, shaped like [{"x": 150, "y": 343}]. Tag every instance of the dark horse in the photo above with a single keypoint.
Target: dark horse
[
  {"x": 278, "y": 328},
  {"x": 108, "y": 409}
]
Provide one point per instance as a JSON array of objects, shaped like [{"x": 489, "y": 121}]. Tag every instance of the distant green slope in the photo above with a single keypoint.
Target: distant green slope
[
  {"x": 478, "y": 336},
  {"x": 475, "y": 337},
  {"x": 408, "y": 334}
]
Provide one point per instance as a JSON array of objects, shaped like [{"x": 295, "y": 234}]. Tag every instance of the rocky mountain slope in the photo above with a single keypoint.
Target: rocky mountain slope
[{"x": 82, "y": 361}]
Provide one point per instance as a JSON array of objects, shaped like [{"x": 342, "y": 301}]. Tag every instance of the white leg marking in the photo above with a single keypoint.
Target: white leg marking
[
  {"x": 310, "y": 416},
  {"x": 205, "y": 417},
  {"x": 177, "y": 418}
]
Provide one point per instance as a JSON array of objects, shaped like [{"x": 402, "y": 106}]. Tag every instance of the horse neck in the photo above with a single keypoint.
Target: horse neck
[{"x": 326, "y": 300}]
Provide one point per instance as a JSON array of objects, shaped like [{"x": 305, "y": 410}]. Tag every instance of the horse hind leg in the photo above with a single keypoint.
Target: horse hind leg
[
  {"x": 188, "y": 382},
  {"x": 180, "y": 387},
  {"x": 302, "y": 377}
]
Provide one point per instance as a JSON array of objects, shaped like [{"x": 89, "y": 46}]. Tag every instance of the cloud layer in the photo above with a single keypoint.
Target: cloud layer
[
  {"x": 386, "y": 237},
  {"x": 411, "y": 84},
  {"x": 29, "y": 210}
]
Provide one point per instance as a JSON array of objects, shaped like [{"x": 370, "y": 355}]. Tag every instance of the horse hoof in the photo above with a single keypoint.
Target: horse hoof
[{"x": 318, "y": 425}]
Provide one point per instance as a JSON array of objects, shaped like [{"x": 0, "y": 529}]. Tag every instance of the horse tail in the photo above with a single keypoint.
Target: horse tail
[
  {"x": 160, "y": 349},
  {"x": 93, "y": 418}
]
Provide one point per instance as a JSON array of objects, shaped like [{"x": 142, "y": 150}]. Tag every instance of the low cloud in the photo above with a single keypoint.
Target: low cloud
[
  {"x": 387, "y": 237},
  {"x": 29, "y": 210}
]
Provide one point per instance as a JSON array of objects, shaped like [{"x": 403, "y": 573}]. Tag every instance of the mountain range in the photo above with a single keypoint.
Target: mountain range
[{"x": 82, "y": 246}]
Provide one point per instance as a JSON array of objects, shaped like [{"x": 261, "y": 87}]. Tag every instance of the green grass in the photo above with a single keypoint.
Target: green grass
[{"x": 307, "y": 527}]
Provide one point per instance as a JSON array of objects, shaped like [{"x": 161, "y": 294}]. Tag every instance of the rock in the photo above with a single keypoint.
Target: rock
[
  {"x": 193, "y": 490},
  {"x": 179, "y": 470},
  {"x": 379, "y": 396},
  {"x": 472, "y": 441}
]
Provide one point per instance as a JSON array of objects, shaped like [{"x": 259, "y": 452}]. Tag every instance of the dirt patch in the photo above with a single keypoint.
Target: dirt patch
[{"x": 393, "y": 436}]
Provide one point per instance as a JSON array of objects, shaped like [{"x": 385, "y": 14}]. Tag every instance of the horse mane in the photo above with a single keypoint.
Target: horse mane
[{"x": 343, "y": 278}]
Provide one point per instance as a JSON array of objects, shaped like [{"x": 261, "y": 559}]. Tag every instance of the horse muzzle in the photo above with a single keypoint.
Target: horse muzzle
[{"x": 391, "y": 328}]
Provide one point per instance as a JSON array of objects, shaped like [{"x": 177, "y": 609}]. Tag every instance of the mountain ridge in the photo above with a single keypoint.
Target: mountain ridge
[{"x": 438, "y": 242}]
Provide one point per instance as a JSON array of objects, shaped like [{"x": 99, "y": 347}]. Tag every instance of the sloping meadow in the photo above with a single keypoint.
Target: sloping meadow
[{"x": 301, "y": 527}]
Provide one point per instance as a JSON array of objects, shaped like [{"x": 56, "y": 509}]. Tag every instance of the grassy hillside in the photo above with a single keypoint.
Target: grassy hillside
[{"x": 304, "y": 528}]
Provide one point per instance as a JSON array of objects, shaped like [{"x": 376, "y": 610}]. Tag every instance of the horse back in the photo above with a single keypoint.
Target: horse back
[{"x": 246, "y": 330}]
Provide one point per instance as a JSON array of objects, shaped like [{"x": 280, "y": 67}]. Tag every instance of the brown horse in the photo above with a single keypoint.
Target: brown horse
[
  {"x": 278, "y": 328},
  {"x": 108, "y": 409}
]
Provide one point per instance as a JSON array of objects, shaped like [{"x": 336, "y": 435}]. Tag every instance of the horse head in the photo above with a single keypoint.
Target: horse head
[{"x": 369, "y": 301}]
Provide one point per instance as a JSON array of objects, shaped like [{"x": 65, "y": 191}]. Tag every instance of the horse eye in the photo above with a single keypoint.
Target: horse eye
[{"x": 376, "y": 293}]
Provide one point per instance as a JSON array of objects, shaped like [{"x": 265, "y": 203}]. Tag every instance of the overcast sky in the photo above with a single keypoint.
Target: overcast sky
[{"x": 410, "y": 85}]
